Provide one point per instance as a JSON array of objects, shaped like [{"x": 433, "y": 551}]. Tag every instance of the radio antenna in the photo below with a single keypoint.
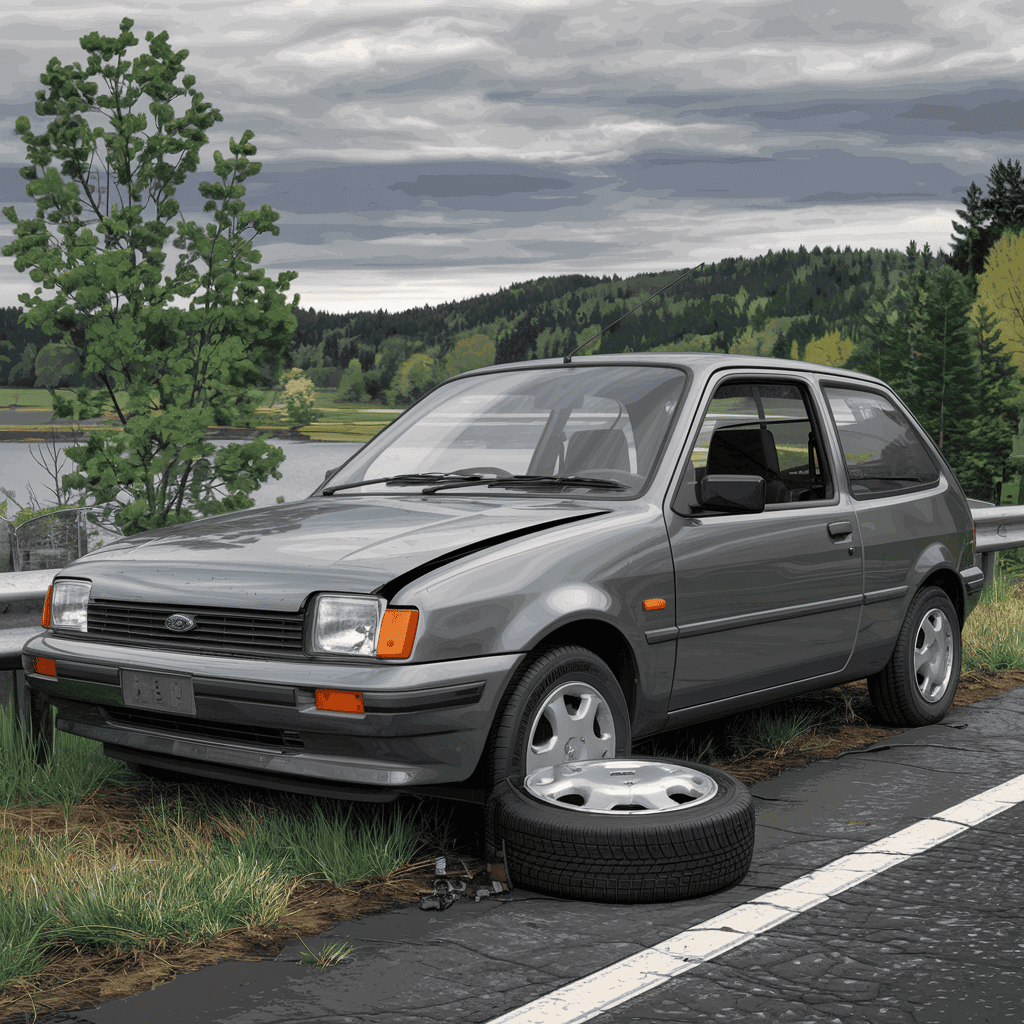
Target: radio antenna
[{"x": 568, "y": 358}]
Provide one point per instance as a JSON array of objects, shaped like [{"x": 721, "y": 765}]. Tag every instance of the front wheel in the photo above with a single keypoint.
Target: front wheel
[
  {"x": 919, "y": 682},
  {"x": 567, "y": 706}
]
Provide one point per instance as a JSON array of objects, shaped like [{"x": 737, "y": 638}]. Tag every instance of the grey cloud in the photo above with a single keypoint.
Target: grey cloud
[
  {"x": 863, "y": 197},
  {"x": 1000, "y": 116},
  {"x": 875, "y": 28},
  {"x": 784, "y": 28},
  {"x": 937, "y": 115},
  {"x": 445, "y": 80},
  {"x": 450, "y": 185}
]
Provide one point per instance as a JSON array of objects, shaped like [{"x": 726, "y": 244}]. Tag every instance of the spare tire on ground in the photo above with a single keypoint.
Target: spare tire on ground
[{"x": 624, "y": 830}]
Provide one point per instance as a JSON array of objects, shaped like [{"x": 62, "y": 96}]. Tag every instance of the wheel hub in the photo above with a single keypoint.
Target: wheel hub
[
  {"x": 621, "y": 786},
  {"x": 933, "y": 656},
  {"x": 573, "y": 723}
]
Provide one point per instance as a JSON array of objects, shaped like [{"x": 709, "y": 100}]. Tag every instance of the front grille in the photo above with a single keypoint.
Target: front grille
[
  {"x": 257, "y": 735},
  {"x": 218, "y": 630}
]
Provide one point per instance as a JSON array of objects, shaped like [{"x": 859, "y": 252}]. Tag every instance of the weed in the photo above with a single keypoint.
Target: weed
[{"x": 328, "y": 956}]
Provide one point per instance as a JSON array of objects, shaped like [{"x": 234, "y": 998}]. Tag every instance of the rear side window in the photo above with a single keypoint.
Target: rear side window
[{"x": 884, "y": 454}]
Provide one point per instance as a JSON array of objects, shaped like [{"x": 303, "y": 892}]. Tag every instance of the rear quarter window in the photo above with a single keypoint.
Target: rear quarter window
[{"x": 883, "y": 452}]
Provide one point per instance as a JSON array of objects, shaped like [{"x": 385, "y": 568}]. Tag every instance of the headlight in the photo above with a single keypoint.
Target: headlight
[
  {"x": 68, "y": 605},
  {"x": 362, "y": 625},
  {"x": 347, "y": 625}
]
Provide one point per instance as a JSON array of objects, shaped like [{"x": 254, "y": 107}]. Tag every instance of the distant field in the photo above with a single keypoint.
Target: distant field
[{"x": 350, "y": 422}]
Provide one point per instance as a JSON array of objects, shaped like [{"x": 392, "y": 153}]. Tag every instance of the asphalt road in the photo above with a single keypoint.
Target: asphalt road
[{"x": 934, "y": 936}]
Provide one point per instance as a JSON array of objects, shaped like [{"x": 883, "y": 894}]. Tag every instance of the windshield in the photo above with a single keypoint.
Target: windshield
[{"x": 586, "y": 429}]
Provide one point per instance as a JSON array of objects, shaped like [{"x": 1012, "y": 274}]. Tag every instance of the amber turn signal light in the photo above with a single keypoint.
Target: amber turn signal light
[
  {"x": 397, "y": 632},
  {"x": 654, "y": 604},
  {"x": 348, "y": 701},
  {"x": 44, "y": 666},
  {"x": 46, "y": 607}
]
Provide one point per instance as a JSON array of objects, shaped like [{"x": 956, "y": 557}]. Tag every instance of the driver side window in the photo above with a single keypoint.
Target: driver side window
[{"x": 759, "y": 428}]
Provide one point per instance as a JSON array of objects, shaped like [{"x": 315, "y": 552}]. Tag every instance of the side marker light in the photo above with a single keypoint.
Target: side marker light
[
  {"x": 44, "y": 666},
  {"x": 397, "y": 632},
  {"x": 654, "y": 604},
  {"x": 348, "y": 701}
]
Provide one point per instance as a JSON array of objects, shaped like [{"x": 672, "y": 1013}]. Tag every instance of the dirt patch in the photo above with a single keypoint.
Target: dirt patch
[{"x": 81, "y": 978}]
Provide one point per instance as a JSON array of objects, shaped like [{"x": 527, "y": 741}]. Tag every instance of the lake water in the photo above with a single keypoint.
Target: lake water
[{"x": 303, "y": 468}]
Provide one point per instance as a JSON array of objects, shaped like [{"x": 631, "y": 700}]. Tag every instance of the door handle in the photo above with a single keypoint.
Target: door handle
[{"x": 840, "y": 529}]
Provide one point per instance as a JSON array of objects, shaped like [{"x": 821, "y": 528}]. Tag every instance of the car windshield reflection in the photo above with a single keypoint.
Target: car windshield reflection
[{"x": 579, "y": 429}]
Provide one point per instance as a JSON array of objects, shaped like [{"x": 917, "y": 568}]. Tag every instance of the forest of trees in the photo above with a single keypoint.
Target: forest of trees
[{"x": 947, "y": 331}]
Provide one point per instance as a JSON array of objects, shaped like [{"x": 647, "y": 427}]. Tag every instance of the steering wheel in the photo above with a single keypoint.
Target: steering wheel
[{"x": 497, "y": 470}]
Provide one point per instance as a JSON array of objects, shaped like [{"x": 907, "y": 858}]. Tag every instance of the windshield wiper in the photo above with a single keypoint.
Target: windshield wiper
[
  {"x": 527, "y": 480},
  {"x": 409, "y": 478},
  {"x": 557, "y": 481}
]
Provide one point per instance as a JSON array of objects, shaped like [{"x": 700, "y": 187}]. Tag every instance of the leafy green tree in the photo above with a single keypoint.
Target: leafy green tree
[
  {"x": 988, "y": 463},
  {"x": 415, "y": 377},
  {"x": 56, "y": 364},
  {"x": 299, "y": 397},
  {"x": 23, "y": 372},
  {"x": 171, "y": 354},
  {"x": 944, "y": 399},
  {"x": 351, "y": 387}
]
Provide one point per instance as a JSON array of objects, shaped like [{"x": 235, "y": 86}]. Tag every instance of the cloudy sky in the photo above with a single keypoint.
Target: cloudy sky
[{"x": 422, "y": 151}]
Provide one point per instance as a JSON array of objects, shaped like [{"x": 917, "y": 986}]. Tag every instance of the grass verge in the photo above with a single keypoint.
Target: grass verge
[{"x": 100, "y": 867}]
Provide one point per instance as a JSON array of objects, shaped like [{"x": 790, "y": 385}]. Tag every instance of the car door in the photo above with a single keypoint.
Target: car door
[
  {"x": 763, "y": 598},
  {"x": 900, "y": 501}
]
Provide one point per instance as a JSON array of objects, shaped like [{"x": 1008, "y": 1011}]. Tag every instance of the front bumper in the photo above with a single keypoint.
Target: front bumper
[{"x": 423, "y": 724}]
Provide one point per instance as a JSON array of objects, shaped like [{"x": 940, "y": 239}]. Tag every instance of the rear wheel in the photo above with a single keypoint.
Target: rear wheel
[{"x": 918, "y": 684}]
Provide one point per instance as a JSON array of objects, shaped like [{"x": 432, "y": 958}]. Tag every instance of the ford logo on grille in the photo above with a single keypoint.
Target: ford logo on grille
[{"x": 180, "y": 623}]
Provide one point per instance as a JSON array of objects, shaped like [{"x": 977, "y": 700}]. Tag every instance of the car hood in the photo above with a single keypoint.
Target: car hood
[{"x": 275, "y": 557}]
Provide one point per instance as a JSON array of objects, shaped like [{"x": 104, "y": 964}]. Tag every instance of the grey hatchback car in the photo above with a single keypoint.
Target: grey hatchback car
[{"x": 537, "y": 563}]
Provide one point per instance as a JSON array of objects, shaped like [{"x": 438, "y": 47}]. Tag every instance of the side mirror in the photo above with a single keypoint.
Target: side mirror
[{"x": 723, "y": 493}]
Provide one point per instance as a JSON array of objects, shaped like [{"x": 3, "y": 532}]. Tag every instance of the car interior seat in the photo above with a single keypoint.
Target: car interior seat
[{"x": 748, "y": 453}]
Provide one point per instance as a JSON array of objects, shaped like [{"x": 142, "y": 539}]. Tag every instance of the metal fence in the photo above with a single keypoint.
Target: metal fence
[{"x": 51, "y": 540}]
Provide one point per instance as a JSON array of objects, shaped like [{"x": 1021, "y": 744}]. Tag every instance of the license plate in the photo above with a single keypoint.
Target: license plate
[{"x": 155, "y": 691}]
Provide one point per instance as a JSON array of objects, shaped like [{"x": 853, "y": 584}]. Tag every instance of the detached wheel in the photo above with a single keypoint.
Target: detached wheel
[
  {"x": 567, "y": 706},
  {"x": 918, "y": 684},
  {"x": 631, "y": 830}
]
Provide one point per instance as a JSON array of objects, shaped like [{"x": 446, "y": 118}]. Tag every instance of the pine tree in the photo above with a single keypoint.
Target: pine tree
[
  {"x": 987, "y": 217},
  {"x": 890, "y": 332},
  {"x": 987, "y": 463},
  {"x": 968, "y": 255},
  {"x": 1005, "y": 201},
  {"x": 520, "y": 342},
  {"x": 944, "y": 399}
]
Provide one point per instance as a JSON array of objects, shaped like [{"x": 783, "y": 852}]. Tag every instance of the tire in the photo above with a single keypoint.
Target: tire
[
  {"x": 566, "y": 706},
  {"x": 668, "y": 852},
  {"x": 919, "y": 682}
]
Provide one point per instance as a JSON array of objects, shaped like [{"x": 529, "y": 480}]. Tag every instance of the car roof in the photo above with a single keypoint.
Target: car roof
[{"x": 699, "y": 363}]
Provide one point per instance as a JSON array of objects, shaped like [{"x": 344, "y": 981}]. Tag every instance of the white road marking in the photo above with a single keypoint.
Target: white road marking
[{"x": 640, "y": 973}]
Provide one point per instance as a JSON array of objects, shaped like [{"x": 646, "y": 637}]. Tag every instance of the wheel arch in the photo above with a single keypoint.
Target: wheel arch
[
  {"x": 608, "y": 643},
  {"x": 948, "y": 581}
]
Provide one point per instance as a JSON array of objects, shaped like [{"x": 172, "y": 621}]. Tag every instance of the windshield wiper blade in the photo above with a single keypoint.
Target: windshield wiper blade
[
  {"x": 557, "y": 481},
  {"x": 406, "y": 478}
]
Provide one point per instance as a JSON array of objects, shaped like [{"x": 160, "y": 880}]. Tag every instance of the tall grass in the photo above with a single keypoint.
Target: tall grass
[
  {"x": 993, "y": 637},
  {"x": 76, "y": 769},
  {"x": 192, "y": 864}
]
